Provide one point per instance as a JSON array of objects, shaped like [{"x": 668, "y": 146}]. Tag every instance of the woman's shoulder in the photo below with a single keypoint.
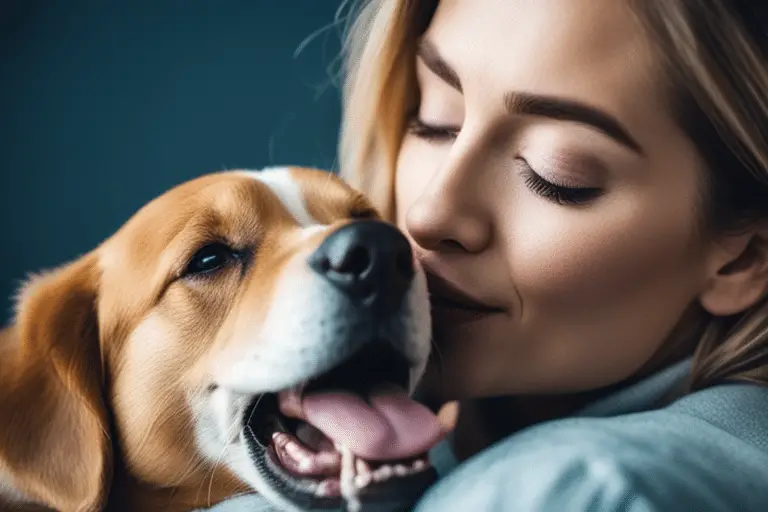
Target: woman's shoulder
[{"x": 707, "y": 451}]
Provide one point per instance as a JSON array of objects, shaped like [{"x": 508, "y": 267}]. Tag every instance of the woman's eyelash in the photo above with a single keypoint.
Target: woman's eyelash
[
  {"x": 420, "y": 129},
  {"x": 557, "y": 193},
  {"x": 553, "y": 192}
]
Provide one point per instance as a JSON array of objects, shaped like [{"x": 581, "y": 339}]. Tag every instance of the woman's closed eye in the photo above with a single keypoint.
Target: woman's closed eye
[
  {"x": 557, "y": 193},
  {"x": 431, "y": 132}
]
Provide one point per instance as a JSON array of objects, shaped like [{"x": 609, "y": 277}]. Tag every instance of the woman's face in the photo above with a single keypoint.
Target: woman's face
[{"x": 549, "y": 192}]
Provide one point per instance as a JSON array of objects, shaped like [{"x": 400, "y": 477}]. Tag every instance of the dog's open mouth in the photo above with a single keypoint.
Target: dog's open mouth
[{"x": 352, "y": 434}]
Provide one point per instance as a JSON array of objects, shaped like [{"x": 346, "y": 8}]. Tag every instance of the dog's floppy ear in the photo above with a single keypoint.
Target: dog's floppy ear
[{"x": 54, "y": 427}]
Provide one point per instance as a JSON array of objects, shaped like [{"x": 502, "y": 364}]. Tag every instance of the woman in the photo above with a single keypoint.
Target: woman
[{"x": 586, "y": 182}]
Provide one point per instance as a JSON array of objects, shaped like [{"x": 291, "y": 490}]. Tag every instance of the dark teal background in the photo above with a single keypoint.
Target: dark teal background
[{"x": 106, "y": 104}]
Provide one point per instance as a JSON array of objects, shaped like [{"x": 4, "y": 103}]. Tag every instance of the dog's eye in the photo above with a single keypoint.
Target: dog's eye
[{"x": 209, "y": 259}]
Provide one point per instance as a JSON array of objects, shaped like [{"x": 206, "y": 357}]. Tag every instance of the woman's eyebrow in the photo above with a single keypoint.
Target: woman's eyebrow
[
  {"x": 431, "y": 58},
  {"x": 522, "y": 103}
]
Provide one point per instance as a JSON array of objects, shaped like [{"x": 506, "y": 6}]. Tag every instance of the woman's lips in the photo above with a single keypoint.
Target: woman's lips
[{"x": 449, "y": 297}]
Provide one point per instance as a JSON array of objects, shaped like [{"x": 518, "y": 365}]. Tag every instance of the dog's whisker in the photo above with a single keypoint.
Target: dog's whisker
[
  {"x": 165, "y": 403},
  {"x": 193, "y": 465},
  {"x": 439, "y": 354},
  {"x": 253, "y": 409},
  {"x": 436, "y": 348},
  {"x": 228, "y": 442},
  {"x": 439, "y": 360}
]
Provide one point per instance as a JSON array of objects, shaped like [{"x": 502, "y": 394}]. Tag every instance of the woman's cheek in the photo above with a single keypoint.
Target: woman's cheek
[{"x": 559, "y": 256}]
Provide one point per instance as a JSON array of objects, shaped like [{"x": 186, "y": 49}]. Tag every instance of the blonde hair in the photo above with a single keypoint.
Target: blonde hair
[
  {"x": 713, "y": 54},
  {"x": 378, "y": 91}
]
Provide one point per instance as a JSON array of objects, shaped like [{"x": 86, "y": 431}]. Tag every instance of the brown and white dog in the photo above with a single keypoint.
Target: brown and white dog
[{"x": 244, "y": 332}]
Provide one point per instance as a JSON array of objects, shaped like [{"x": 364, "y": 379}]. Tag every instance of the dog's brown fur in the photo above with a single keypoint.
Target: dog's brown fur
[{"x": 97, "y": 370}]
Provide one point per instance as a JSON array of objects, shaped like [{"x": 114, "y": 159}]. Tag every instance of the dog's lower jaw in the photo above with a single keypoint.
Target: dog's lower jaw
[
  {"x": 241, "y": 463},
  {"x": 219, "y": 436}
]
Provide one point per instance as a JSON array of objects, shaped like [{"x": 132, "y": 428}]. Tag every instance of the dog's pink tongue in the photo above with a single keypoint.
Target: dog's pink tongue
[{"x": 392, "y": 426}]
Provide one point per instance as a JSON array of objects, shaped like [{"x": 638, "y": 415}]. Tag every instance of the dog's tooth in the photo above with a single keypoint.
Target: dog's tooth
[
  {"x": 362, "y": 467},
  {"x": 382, "y": 473},
  {"x": 363, "y": 479},
  {"x": 293, "y": 449},
  {"x": 292, "y": 454},
  {"x": 300, "y": 454},
  {"x": 280, "y": 439},
  {"x": 400, "y": 470},
  {"x": 328, "y": 459},
  {"x": 305, "y": 465},
  {"x": 419, "y": 465},
  {"x": 323, "y": 488}
]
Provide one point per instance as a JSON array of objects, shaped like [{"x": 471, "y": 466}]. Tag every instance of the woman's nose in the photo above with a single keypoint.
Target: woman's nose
[{"x": 450, "y": 215}]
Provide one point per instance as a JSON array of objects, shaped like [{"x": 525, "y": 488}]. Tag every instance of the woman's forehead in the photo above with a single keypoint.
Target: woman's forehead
[
  {"x": 587, "y": 47},
  {"x": 595, "y": 52}
]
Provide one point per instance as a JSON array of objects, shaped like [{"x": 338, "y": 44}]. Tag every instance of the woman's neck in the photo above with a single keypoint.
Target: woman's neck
[{"x": 482, "y": 422}]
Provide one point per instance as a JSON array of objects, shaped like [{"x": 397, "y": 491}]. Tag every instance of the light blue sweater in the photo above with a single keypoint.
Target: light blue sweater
[{"x": 705, "y": 452}]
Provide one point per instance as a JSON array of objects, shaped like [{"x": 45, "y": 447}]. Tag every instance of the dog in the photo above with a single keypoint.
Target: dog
[{"x": 246, "y": 331}]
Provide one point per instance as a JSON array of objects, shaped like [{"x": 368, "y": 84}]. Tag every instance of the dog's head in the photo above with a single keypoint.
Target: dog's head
[{"x": 233, "y": 335}]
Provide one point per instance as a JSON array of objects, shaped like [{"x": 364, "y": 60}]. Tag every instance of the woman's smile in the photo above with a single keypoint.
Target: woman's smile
[{"x": 455, "y": 305}]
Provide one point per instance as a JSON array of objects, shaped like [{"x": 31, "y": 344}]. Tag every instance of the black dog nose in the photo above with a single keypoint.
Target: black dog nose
[{"x": 370, "y": 261}]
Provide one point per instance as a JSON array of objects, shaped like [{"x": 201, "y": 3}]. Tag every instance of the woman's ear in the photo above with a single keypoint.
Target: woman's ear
[
  {"x": 737, "y": 273},
  {"x": 54, "y": 434}
]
